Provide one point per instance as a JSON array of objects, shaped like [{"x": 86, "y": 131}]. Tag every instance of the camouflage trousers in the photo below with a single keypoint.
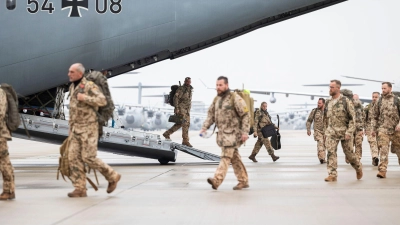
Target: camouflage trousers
[
  {"x": 6, "y": 168},
  {"x": 358, "y": 139},
  {"x": 319, "y": 138},
  {"x": 185, "y": 127},
  {"x": 373, "y": 145},
  {"x": 383, "y": 145},
  {"x": 231, "y": 155},
  {"x": 260, "y": 142},
  {"x": 83, "y": 150},
  {"x": 347, "y": 145}
]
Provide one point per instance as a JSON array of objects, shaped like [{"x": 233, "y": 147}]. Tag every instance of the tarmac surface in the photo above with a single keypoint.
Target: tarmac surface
[{"x": 289, "y": 191}]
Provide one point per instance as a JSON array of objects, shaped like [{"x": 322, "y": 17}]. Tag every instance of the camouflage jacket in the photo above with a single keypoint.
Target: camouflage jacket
[
  {"x": 261, "y": 119},
  {"x": 82, "y": 113},
  {"x": 4, "y": 132},
  {"x": 183, "y": 98},
  {"x": 386, "y": 117},
  {"x": 339, "y": 118},
  {"x": 231, "y": 117},
  {"x": 317, "y": 116},
  {"x": 360, "y": 115},
  {"x": 368, "y": 112}
]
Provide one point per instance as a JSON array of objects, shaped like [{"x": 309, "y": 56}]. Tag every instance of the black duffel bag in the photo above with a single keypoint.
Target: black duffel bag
[
  {"x": 177, "y": 119},
  {"x": 276, "y": 139},
  {"x": 268, "y": 131}
]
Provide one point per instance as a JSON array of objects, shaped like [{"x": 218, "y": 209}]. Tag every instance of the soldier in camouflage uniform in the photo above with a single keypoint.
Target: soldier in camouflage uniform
[
  {"x": 6, "y": 168},
  {"x": 360, "y": 125},
  {"x": 231, "y": 115},
  {"x": 182, "y": 103},
  {"x": 317, "y": 116},
  {"x": 386, "y": 124},
  {"x": 85, "y": 100},
  {"x": 368, "y": 112},
  {"x": 262, "y": 119},
  {"x": 339, "y": 125}
]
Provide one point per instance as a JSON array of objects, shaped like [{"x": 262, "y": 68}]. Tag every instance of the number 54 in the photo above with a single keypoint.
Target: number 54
[{"x": 34, "y": 6}]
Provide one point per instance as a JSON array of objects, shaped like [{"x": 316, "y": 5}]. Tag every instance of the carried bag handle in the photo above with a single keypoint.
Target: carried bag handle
[{"x": 278, "y": 120}]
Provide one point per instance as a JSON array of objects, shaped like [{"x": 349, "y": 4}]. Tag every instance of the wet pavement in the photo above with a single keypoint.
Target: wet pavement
[{"x": 289, "y": 191}]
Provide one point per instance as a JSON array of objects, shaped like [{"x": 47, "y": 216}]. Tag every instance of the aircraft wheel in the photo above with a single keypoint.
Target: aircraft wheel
[{"x": 163, "y": 161}]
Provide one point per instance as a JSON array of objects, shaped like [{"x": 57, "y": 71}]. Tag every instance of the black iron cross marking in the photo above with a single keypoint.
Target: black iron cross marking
[{"x": 75, "y": 6}]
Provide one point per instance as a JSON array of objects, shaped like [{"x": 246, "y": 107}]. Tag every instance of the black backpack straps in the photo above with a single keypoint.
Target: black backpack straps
[{"x": 315, "y": 112}]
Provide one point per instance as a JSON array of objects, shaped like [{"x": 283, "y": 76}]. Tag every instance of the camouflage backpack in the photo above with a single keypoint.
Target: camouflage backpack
[
  {"x": 64, "y": 168},
  {"x": 105, "y": 112},
  {"x": 396, "y": 99},
  {"x": 12, "y": 117}
]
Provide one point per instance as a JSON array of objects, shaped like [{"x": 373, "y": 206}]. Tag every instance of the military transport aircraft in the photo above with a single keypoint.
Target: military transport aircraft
[{"x": 40, "y": 39}]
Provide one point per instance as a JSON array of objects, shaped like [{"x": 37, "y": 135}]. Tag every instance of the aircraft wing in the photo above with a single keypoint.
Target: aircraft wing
[
  {"x": 143, "y": 86},
  {"x": 287, "y": 93},
  {"x": 359, "y": 78},
  {"x": 312, "y": 95}
]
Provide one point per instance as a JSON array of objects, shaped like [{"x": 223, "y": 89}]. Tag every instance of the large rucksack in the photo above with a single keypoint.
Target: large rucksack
[
  {"x": 172, "y": 93},
  {"x": 105, "y": 112},
  {"x": 249, "y": 103},
  {"x": 63, "y": 164},
  {"x": 254, "y": 118},
  {"x": 12, "y": 116}
]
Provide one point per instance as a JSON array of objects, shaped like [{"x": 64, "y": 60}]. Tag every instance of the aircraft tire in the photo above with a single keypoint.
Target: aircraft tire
[{"x": 163, "y": 161}]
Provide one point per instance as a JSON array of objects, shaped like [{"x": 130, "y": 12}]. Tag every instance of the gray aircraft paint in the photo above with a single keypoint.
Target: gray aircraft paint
[{"x": 37, "y": 50}]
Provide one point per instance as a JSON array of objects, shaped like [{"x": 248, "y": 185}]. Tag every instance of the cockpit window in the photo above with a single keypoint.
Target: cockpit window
[{"x": 11, "y": 4}]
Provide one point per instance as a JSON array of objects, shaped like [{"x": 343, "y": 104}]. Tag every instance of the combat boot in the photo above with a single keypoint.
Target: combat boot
[
  {"x": 240, "y": 186},
  {"x": 252, "y": 157},
  {"x": 330, "y": 179},
  {"x": 187, "y": 143},
  {"x": 213, "y": 183},
  {"x": 359, "y": 174},
  {"x": 77, "y": 193},
  {"x": 274, "y": 157},
  {"x": 113, "y": 185},
  {"x": 381, "y": 174},
  {"x": 375, "y": 161},
  {"x": 7, "y": 196},
  {"x": 322, "y": 161},
  {"x": 166, "y": 135}
]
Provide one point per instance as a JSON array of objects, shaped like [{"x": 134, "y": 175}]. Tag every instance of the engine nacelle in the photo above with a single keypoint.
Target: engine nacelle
[
  {"x": 312, "y": 97},
  {"x": 272, "y": 99},
  {"x": 291, "y": 115}
]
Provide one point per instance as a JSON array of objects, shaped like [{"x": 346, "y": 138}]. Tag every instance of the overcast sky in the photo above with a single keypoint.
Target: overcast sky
[{"x": 354, "y": 38}]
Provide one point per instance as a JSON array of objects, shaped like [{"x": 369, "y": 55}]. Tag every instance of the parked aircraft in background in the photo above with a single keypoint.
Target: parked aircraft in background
[{"x": 395, "y": 83}]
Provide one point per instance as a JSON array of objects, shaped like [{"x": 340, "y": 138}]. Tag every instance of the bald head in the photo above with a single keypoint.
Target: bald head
[
  {"x": 356, "y": 97},
  {"x": 76, "y": 72}
]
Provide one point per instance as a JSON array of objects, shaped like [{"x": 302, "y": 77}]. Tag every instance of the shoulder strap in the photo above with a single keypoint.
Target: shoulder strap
[
  {"x": 366, "y": 111},
  {"x": 344, "y": 103},
  {"x": 397, "y": 103},
  {"x": 326, "y": 105},
  {"x": 233, "y": 96},
  {"x": 315, "y": 111}
]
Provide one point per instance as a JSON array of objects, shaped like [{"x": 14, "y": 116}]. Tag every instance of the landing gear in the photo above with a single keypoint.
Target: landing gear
[
  {"x": 163, "y": 161},
  {"x": 48, "y": 103}
]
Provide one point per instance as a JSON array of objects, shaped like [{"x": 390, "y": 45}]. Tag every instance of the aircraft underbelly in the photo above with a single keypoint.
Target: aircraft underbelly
[{"x": 38, "y": 49}]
